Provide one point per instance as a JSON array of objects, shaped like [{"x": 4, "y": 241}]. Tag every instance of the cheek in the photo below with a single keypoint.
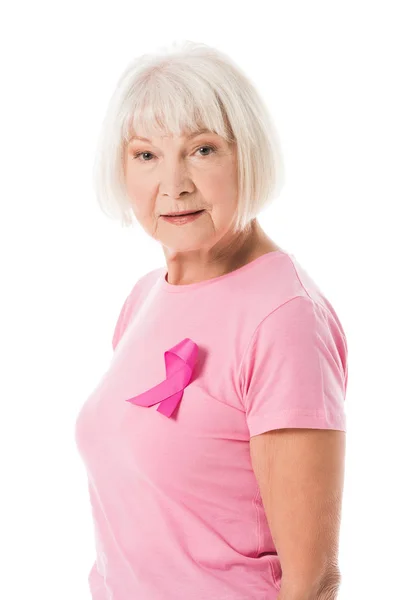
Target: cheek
[
  {"x": 141, "y": 194},
  {"x": 223, "y": 178},
  {"x": 222, "y": 187},
  {"x": 135, "y": 185}
]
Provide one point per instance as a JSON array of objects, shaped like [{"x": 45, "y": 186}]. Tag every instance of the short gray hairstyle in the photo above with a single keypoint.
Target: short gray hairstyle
[{"x": 185, "y": 87}]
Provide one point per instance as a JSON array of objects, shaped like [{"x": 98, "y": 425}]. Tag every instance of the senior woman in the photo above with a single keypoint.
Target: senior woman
[{"x": 215, "y": 441}]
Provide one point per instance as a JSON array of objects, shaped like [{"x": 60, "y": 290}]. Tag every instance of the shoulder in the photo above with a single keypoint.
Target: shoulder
[
  {"x": 283, "y": 293},
  {"x": 131, "y": 302}
]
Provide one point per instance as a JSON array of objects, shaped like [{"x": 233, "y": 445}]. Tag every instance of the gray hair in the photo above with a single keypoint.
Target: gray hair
[{"x": 186, "y": 87}]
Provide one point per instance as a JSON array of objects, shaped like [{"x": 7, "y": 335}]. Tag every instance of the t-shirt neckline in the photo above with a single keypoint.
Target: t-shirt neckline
[{"x": 173, "y": 288}]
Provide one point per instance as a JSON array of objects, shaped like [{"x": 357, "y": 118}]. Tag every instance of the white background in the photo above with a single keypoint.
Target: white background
[{"x": 329, "y": 73}]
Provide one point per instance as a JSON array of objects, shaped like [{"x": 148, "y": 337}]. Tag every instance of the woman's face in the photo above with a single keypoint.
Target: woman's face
[{"x": 188, "y": 173}]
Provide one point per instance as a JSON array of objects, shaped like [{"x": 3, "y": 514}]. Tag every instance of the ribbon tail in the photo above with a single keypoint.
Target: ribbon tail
[{"x": 168, "y": 405}]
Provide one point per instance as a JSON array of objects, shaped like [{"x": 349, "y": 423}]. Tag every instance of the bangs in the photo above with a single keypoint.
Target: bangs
[{"x": 177, "y": 105}]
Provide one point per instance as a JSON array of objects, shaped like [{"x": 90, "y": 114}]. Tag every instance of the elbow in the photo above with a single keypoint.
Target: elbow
[
  {"x": 326, "y": 587},
  {"x": 329, "y": 585}
]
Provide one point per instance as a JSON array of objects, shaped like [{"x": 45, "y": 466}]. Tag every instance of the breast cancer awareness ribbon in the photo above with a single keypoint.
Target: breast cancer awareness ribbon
[{"x": 179, "y": 365}]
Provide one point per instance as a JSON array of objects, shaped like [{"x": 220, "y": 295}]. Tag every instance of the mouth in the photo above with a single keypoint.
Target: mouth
[{"x": 181, "y": 214}]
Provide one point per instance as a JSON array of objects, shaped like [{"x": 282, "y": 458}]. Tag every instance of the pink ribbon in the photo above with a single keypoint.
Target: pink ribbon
[{"x": 179, "y": 364}]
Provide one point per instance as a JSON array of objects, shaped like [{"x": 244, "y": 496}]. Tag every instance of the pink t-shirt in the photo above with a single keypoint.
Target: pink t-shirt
[{"x": 196, "y": 371}]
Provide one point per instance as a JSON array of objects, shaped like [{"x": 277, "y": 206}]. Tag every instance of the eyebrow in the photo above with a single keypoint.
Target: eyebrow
[{"x": 189, "y": 137}]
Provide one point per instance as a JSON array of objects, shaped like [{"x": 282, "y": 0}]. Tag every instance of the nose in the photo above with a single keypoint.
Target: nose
[{"x": 175, "y": 180}]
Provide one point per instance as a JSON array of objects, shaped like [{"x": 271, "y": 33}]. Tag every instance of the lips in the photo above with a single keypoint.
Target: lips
[{"x": 182, "y": 214}]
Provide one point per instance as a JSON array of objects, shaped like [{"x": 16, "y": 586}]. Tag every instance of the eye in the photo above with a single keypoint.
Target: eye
[
  {"x": 137, "y": 155},
  {"x": 209, "y": 147}
]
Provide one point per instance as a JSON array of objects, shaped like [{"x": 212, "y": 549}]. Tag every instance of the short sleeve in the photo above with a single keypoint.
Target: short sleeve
[{"x": 294, "y": 371}]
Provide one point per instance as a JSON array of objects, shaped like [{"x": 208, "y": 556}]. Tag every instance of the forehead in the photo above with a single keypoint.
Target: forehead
[{"x": 185, "y": 135}]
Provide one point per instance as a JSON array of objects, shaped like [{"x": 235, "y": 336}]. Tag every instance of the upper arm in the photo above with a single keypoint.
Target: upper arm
[
  {"x": 300, "y": 473},
  {"x": 294, "y": 385}
]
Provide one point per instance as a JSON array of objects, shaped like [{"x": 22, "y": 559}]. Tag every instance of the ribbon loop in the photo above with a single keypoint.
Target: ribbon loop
[{"x": 179, "y": 364}]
